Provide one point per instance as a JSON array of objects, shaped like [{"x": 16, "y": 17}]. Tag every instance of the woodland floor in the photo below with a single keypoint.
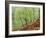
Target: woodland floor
[{"x": 34, "y": 26}]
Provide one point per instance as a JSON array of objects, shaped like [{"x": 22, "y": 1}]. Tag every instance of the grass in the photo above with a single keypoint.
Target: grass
[{"x": 23, "y": 15}]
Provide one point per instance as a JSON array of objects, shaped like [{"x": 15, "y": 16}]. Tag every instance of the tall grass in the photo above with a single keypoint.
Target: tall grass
[{"x": 24, "y": 15}]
